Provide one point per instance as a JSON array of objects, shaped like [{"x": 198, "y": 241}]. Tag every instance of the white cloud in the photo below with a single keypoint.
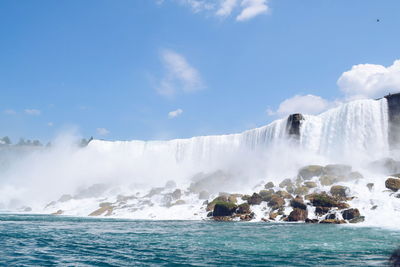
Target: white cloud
[
  {"x": 50, "y": 124},
  {"x": 251, "y": 9},
  {"x": 102, "y": 131},
  {"x": 305, "y": 104},
  {"x": 10, "y": 112},
  {"x": 369, "y": 80},
  {"x": 198, "y": 5},
  {"x": 32, "y": 112},
  {"x": 226, "y": 8},
  {"x": 175, "y": 113},
  {"x": 179, "y": 75}
]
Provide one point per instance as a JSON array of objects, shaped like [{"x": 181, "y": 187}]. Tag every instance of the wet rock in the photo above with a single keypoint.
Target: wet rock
[
  {"x": 337, "y": 170},
  {"x": 224, "y": 209},
  {"x": 393, "y": 184},
  {"x": 179, "y": 202},
  {"x": 155, "y": 191},
  {"x": 311, "y": 220},
  {"x": 332, "y": 221},
  {"x": 386, "y": 165},
  {"x": 247, "y": 217},
  {"x": 374, "y": 207},
  {"x": 302, "y": 190},
  {"x": 358, "y": 219},
  {"x": 298, "y": 215},
  {"x": 339, "y": 191},
  {"x": 246, "y": 197},
  {"x": 310, "y": 171},
  {"x": 255, "y": 199},
  {"x": 322, "y": 210},
  {"x": 105, "y": 209},
  {"x": 58, "y": 212},
  {"x": 331, "y": 216},
  {"x": 310, "y": 184},
  {"x": 209, "y": 214},
  {"x": 276, "y": 202},
  {"x": 266, "y": 194},
  {"x": 286, "y": 182},
  {"x": 350, "y": 214},
  {"x": 210, "y": 206},
  {"x": 27, "y": 209},
  {"x": 177, "y": 194},
  {"x": 222, "y": 218},
  {"x": 204, "y": 195},
  {"x": 298, "y": 203},
  {"x": 327, "y": 180},
  {"x": 290, "y": 189},
  {"x": 243, "y": 209},
  {"x": 284, "y": 194},
  {"x": 370, "y": 186},
  {"x": 269, "y": 185},
  {"x": 342, "y": 205},
  {"x": 355, "y": 176},
  {"x": 273, "y": 215},
  {"x": 322, "y": 200}
]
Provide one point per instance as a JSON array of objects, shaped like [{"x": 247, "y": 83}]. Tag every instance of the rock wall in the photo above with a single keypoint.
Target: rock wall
[
  {"x": 293, "y": 125},
  {"x": 394, "y": 120}
]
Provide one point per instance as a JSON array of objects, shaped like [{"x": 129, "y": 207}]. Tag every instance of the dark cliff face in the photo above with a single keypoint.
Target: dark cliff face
[
  {"x": 394, "y": 120},
  {"x": 293, "y": 125}
]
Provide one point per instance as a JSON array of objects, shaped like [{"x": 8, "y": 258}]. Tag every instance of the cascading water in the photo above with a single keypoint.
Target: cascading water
[{"x": 134, "y": 173}]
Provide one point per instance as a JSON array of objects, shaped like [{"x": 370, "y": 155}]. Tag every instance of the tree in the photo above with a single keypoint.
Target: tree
[{"x": 6, "y": 140}]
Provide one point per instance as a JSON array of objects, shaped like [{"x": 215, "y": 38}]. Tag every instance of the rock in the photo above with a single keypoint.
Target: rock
[
  {"x": 232, "y": 198},
  {"x": 266, "y": 194},
  {"x": 350, "y": 214},
  {"x": 284, "y": 194},
  {"x": 179, "y": 202},
  {"x": 358, "y": 219},
  {"x": 355, "y": 176},
  {"x": 246, "y": 197},
  {"x": 393, "y": 184},
  {"x": 310, "y": 171},
  {"x": 332, "y": 221},
  {"x": 177, "y": 194},
  {"x": 285, "y": 183},
  {"x": 269, "y": 185},
  {"x": 209, "y": 214},
  {"x": 374, "y": 207},
  {"x": 255, "y": 199},
  {"x": 298, "y": 215},
  {"x": 273, "y": 215},
  {"x": 290, "y": 189},
  {"x": 210, "y": 205},
  {"x": 337, "y": 170},
  {"x": 204, "y": 195},
  {"x": 58, "y": 212},
  {"x": 370, "y": 186},
  {"x": 328, "y": 180},
  {"x": 65, "y": 198},
  {"x": 27, "y": 209},
  {"x": 322, "y": 200},
  {"x": 322, "y": 210},
  {"x": 331, "y": 216},
  {"x": 222, "y": 218},
  {"x": 302, "y": 190},
  {"x": 155, "y": 191},
  {"x": 342, "y": 205},
  {"x": 247, "y": 217},
  {"x": 222, "y": 208},
  {"x": 170, "y": 184},
  {"x": 386, "y": 165},
  {"x": 339, "y": 191},
  {"x": 276, "y": 202},
  {"x": 104, "y": 208},
  {"x": 243, "y": 209},
  {"x": 310, "y": 184},
  {"x": 298, "y": 203},
  {"x": 311, "y": 221}
]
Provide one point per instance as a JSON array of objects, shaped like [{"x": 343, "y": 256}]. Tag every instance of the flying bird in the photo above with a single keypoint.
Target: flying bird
[{"x": 378, "y": 20}]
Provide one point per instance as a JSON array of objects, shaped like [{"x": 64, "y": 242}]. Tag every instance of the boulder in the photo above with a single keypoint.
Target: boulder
[
  {"x": 298, "y": 215},
  {"x": 255, "y": 199},
  {"x": 177, "y": 194},
  {"x": 105, "y": 209},
  {"x": 276, "y": 202},
  {"x": 285, "y": 183},
  {"x": 355, "y": 176},
  {"x": 310, "y": 171},
  {"x": 339, "y": 191},
  {"x": 266, "y": 194},
  {"x": 393, "y": 184},
  {"x": 342, "y": 205},
  {"x": 337, "y": 170},
  {"x": 211, "y": 205},
  {"x": 222, "y": 208},
  {"x": 58, "y": 212},
  {"x": 204, "y": 195},
  {"x": 302, "y": 190},
  {"x": 370, "y": 186},
  {"x": 243, "y": 209},
  {"x": 358, "y": 219},
  {"x": 332, "y": 221},
  {"x": 222, "y": 218},
  {"x": 350, "y": 214},
  {"x": 269, "y": 185},
  {"x": 322, "y": 200},
  {"x": 290, "y": 189},
  {"x": 232, "y": 198},
  {"x": 326, "y": 180},
  {"x": 310, "y": 184},
  {"x": 298, "y": 203},
  {"x": 273, "y": 215},
  {"x": 284, "y": 194},
  {"x": 65, "y": 198},
  {"x": 311, "y": 220},
  {"x": 322, "y": 210},
  {"x": 247, "y": 217},
  {"x": 178, "y": 202}
]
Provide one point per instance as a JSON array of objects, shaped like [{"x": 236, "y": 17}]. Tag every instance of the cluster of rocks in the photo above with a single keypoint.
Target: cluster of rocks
[{"x": 294, "y": 199}]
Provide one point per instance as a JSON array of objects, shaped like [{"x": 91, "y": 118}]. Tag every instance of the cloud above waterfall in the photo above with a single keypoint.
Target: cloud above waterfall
[
  {"x": 370, "y": 80},
  {"x": 241, "y": 10},
  {"x": 102, "y": 131},
  {"x": 179, "y": 75},
  {"x": 305, "y": 104}
]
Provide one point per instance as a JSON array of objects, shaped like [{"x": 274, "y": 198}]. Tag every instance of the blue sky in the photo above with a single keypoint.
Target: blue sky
[{"x": 151, "y": 69}]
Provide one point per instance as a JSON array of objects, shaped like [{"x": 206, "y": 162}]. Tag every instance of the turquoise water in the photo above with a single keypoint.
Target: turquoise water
[{"x": 40, "y": 240}]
